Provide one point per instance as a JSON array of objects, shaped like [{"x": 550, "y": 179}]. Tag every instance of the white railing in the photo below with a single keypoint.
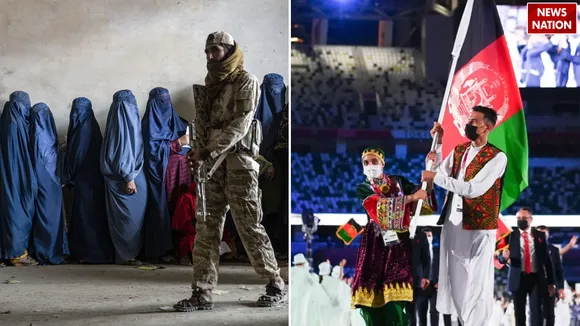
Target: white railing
[{"x": 431, "y": 220}]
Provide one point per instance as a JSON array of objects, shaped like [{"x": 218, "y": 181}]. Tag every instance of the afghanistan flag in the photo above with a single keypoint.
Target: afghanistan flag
[
  {"x": 482, "y": 74},
  {"x": 349, "y": 231}
]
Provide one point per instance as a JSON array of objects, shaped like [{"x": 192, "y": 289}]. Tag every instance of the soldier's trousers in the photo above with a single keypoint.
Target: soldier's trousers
[{"x": 238, "y": 189}]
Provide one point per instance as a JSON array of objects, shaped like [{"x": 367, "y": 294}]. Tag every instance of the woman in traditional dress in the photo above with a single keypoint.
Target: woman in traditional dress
[
  {"x": 125, "y": 184},
  {"x": 383, "y": 281},
  {"x": 183, "y": 225},
  {"x": 177, "y": 175},
  {"x": 49, "y": 239},
  {"x": 160, "y": 126},
  {"x": 18, "y": 187},
  {"x": 90, "y": 239},
  {"x": 272, "y": 114}
]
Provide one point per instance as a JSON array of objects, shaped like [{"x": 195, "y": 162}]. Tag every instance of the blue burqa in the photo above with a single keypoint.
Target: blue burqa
[
  {"x": 90, "y": 238},
  {"x": 269, "y": 111},
  {"x": 161, "y": 125},
  {"x": 49, "y": 240},
  {"x": 18, "y": 187},
  {"x": 122, "y": 162}
]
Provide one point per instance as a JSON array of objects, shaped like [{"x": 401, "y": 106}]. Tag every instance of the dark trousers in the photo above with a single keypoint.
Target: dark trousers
[
  {"x": 281, "y": 157},
  {"x": 230, "y": 228},
  {"x": 276, "y": 224},
  {"x": 412, "y": 307},
  {"x": 548, "y": 310},
  {"x": 271, "y": 223},
  {"x": 529, "y": 287},
  {"x": 424, "y": 305},
  {"x": 422, "y": 300},
  {"x": 447, "y": 320}
]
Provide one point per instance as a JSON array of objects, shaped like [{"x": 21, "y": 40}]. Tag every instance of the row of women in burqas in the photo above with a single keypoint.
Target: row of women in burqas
[
  {"x": 323, "y": 299},
  {"x": 121, "y": 206},
  {"x": 132, "y": 188}
]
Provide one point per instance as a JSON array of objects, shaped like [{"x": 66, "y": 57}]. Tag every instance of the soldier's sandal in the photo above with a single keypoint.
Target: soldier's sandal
[
  {"x": 198, "y": 301},
  {"x": 273, "y": 297}
]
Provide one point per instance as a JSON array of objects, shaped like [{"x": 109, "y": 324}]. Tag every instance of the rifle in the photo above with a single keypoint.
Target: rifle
[{"x": 200, "y": 175}]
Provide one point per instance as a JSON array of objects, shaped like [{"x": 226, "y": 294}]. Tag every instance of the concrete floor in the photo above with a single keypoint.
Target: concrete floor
[{"x": 124, "y": 295}]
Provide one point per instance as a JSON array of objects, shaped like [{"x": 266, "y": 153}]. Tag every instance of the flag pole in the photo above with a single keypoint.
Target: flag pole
[{"x": 457, "y": 45}]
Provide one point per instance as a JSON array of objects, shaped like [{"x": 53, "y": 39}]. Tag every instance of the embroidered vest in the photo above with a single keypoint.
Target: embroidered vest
[
  {"x": 479, "y": 213},
  {"x": 388, "y": 212}
]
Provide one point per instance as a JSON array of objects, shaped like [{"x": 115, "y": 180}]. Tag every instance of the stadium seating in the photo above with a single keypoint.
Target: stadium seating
[
  {"x": 326, "y": 182},
  {"x": 329, "y": 88},
  {"x": 329, "y": 83}
]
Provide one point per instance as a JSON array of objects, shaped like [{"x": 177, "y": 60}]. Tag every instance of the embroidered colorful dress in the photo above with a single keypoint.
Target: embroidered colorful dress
[{"x": 383, "y": 278}]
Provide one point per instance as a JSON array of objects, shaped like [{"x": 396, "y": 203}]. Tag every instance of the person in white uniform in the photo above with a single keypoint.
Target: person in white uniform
[
  {"x": 473, "y": 176},
  {"x": 303, "y": 285},
  {"x": 503, "y": 313},
  {"x": 343, "y": 295},
  {"x": 328, "y": 298}
]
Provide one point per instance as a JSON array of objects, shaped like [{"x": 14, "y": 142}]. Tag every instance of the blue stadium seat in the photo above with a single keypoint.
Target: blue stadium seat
[{"x": 326, "y": 182}]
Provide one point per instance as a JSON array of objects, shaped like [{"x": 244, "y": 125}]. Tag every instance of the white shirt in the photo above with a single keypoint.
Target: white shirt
[
  {"x": 532, "y": 250},
  {"x": 430, "y": 250},
  {"x": 474, "y": 188}
]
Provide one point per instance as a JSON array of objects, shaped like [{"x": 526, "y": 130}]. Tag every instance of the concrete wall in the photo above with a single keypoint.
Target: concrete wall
[{"x": 61, "y": 49}]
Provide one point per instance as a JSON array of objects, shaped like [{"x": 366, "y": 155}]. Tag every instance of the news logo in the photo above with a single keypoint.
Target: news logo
[{"x": 552, "y": 18}]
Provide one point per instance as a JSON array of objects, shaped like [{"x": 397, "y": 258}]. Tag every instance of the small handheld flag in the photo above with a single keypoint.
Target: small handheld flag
[{"x": 349, "y": 231}]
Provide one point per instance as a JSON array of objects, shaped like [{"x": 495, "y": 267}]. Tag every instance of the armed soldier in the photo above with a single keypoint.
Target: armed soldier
[{"x": 228, "y": 139}]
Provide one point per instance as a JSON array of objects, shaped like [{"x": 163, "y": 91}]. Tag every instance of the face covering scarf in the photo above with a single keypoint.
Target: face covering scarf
[{"x": 220, "y": 72}]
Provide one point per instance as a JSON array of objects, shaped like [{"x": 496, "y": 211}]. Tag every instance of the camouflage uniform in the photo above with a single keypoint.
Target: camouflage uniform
[{"x": 220, "y": 123}]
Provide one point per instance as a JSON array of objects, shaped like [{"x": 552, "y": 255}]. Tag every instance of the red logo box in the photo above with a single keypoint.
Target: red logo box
[{"x": 552, "y": 18}]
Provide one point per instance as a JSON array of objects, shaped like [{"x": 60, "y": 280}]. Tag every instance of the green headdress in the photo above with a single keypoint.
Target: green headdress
[{"x": 376, "y": 152}]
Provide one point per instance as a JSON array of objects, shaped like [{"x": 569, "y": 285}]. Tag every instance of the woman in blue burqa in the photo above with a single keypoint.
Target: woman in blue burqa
[
  {"x": 125, "y": 184},
  {"x": 90, "y": 239},
  {"x": 161, "y": 125},
  {"x": 270, "y": 112},
  {"x": 18, "y": 187},
  {"x": 49, "y": 241}
]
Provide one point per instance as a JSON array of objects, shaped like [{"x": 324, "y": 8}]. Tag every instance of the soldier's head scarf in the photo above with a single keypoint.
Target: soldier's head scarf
[{"x": 222, "y": 72}]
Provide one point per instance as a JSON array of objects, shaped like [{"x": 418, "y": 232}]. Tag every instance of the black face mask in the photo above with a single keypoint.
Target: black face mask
[
  {"x": 471, "y": 132},
  {"x": 523, "y": 224}
]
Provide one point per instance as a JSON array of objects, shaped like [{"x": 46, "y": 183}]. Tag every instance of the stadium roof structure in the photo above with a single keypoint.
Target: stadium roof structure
[
  {"x": 377, "y": 9},
  {"x": 355, "y": 9}
]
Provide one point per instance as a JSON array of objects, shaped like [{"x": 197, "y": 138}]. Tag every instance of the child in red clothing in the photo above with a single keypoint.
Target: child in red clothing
[{"x": 183, "y": 224}]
